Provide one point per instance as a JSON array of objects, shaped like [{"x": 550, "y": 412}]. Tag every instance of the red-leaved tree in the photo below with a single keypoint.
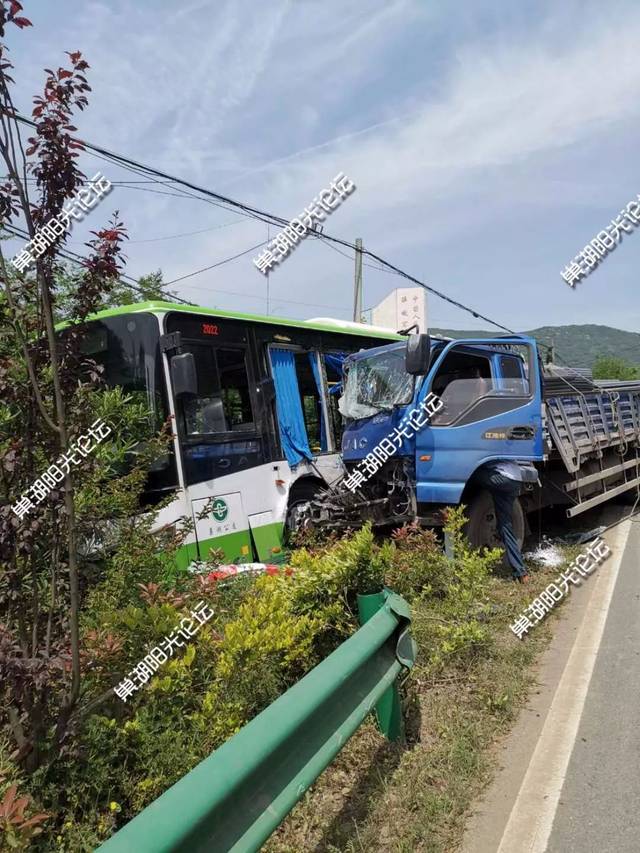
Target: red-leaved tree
[{"x": 41, "y": 380}]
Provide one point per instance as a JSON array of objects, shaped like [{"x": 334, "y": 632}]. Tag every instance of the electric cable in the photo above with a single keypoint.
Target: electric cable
[
  {"x": 218, "y": 264},
  {"x": 269, "y": 218},
  {"x": 74, "y": 257}
]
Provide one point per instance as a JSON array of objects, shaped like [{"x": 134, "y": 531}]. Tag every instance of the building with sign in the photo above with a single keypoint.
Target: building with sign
[{"x": 401, "y": 309}]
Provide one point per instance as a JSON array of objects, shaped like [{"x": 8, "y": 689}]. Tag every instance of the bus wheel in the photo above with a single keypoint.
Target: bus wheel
[
  {"x": 481, "y": 529},
  {"x": 299, "y": 497}
]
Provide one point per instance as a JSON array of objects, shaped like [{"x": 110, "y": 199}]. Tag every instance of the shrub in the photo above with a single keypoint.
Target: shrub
[
  {"x": 419, "y": 566},
  {"x": 448, "y": 622},
  {"x": 18, "y": 823},
  {"x": 266, "y": 634}
]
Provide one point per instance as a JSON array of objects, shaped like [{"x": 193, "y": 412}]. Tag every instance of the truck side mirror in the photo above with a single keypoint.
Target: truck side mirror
[
  {"x": 183, "y": 374},
  {"x": 418, "y": 355}
]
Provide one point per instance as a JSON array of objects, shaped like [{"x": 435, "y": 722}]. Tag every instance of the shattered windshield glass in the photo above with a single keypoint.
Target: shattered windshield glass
[{"x": 376, "y": 384}]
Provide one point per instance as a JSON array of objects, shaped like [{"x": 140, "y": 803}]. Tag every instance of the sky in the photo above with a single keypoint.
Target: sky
[{"x": 489, "y": 142}]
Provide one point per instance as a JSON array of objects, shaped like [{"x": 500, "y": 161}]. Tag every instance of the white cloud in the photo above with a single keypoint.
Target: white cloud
[{"x": 271, "y": 100}]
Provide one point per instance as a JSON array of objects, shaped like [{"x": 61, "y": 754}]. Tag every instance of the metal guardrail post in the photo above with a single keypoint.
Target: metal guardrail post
[
  {"x": 234, "y": 799},
  {"x": 389, "y": 707}
]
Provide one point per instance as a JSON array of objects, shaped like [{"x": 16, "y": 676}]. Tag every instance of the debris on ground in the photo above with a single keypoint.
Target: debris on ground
[
  {"x": 547, "y": 553},
  {"x": 579, "y": 538}
]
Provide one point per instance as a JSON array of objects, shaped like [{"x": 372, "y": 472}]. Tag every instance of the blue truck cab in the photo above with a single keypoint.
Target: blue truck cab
[
  {"x": 495, "y": 401},
  {"x": 491, "y": 408}
]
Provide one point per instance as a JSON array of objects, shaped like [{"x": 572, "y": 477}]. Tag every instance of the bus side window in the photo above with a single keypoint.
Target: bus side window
[
  {"x": 234, "y": 386},
  {"x": 223, "y": 403}
]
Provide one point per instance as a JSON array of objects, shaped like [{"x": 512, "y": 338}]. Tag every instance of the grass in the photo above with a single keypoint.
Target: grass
[{"x": 379, "y": 796}]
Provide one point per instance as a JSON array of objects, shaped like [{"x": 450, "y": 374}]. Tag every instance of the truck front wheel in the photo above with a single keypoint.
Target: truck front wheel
[
  {"x": 481, "y": 529},
  {"x": 301, "y": 494}
]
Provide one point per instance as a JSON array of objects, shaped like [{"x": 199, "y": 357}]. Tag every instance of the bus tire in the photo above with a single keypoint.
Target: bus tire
[
  {"x": 481, "y": 530},
  {"x": 300, "y": 494}
]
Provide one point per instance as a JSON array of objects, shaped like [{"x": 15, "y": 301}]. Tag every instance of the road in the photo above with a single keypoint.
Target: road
[
  {"x": 570, "y": 769},
  {"x": 599, "y": 807}
]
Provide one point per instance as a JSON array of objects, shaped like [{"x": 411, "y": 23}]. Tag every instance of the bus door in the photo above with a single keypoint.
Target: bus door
[
  {"x": 221, "y": 522},
  {"x": 220, "y": 448},
  {"x": 301, "y": 404}
]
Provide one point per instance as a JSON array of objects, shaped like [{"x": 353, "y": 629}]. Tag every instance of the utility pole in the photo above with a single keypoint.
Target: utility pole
[
  {"x": 357, "y": 284},
  {"x": 268, "y": 241},
  {"x": 551, "y": 352}
]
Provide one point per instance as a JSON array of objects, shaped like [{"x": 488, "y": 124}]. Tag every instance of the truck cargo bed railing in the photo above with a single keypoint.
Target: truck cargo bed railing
[{"x": 584, "y": 425}]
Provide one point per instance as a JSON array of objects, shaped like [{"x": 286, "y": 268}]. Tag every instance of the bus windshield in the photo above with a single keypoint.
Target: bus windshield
[
  {"x": 376, "y": 383},
  {"x": 127, "y": 348}
]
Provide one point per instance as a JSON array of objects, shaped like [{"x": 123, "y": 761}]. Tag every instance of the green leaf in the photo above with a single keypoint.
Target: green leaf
[{"x": 189, "y": 655}]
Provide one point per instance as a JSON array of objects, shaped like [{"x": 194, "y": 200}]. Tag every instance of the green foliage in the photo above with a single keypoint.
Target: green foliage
[
  {"x": 609, "y": 367},
  {"x": 148, "y": 288},
  {"x": 452, "y": 592},
  {"x": 345, "y": 568},
  {"x": 578, "y": 345},
  {"x": 419, "y": 566},
  {"x": 266, "y": 633}
]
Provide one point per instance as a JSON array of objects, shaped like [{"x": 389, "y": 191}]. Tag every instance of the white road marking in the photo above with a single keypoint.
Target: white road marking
[{"x": 531, "y": 819}]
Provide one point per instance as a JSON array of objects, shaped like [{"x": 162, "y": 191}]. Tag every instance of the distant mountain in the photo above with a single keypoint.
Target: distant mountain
[{"x": 577, "y": 346}]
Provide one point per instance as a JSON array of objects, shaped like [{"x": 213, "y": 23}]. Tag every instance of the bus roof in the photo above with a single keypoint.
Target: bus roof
[{"x": 323, "y": 324}]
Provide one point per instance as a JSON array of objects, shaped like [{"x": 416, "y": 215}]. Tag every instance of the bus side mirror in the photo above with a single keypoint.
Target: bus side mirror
[
  {"x": 183, "y": 374},
  {"x": 266, "y": 388},
  {"x": 418, "y": 355}
]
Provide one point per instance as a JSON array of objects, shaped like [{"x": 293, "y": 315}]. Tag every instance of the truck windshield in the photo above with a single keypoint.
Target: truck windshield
[{"x": 376, "y": 384}]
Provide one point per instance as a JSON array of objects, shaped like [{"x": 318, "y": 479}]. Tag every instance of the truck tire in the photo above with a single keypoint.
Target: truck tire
[
  {"x": 299, "y": 495},
  {"x": 481, "y": 529},
  {"x": 629, "y": 497}
]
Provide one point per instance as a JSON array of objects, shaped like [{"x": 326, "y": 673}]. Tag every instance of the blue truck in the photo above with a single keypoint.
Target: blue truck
[{"x": 498, "y": 402}]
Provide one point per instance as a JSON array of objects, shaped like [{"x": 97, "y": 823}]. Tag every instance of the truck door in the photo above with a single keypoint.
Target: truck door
[{"x": 492, "y": 410}]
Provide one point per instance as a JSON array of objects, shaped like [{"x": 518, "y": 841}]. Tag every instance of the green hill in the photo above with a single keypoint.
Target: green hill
[{"x": 578, "y": 346}]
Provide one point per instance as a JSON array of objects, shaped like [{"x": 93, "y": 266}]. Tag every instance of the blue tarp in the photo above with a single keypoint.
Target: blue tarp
[
  {"x": 313, "y": 358},
  {"x": 293, "y": 432}
]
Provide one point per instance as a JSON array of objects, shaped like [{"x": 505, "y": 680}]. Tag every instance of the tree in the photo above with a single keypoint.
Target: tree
[
  {"x": 49, "y": 394},
  {"x": 610, "y": 367},
  {"x": 148, "y": 288}
]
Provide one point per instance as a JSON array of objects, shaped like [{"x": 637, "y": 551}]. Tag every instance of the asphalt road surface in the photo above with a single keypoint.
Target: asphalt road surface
[
  {"x": 599, "y": 807},
  {"x": 569, "y": 775}
]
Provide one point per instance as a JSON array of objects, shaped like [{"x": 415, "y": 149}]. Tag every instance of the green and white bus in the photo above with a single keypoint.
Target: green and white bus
[{"x": 254, "y": 403}]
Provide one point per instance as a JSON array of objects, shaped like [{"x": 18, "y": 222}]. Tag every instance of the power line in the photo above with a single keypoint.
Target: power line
[
  {"x": 188, "y": 233},
  {"x": 76, "y": 258},
  {"x": 218, "y": 264},
  {"x": 226, "y": 203},
  {"x": 264, "y": 216},
  {"x": 257, "y": 296}
]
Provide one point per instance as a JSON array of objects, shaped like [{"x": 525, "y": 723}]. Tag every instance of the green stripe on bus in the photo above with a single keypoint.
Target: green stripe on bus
[
  {"x": 156, "y": 307},
  {"x": 237, "y": 546}
]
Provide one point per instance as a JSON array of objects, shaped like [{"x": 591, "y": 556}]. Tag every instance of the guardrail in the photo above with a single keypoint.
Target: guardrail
[{"x": 235, "y": 798}]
